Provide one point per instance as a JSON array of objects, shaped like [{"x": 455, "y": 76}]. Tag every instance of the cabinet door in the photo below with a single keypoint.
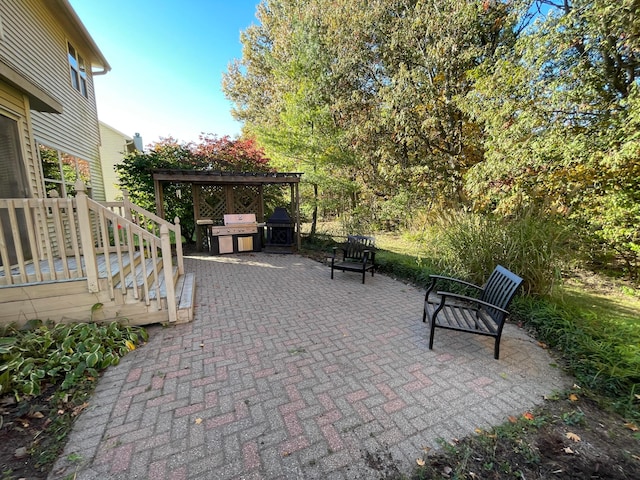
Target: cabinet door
[
  {"x": 245, "y": 244},
  {"x": 225, "y": 243}
]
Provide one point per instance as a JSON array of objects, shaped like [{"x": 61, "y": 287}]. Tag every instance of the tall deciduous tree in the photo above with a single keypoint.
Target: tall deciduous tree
[
  {"x": 561, "y": 114},
  {"x": 377, "y": 80}
]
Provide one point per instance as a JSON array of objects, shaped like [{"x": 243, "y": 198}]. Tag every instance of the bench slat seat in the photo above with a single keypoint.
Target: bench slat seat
[
  {"x": 484, "y": 315},
  {"x": 358, "y": 255}
]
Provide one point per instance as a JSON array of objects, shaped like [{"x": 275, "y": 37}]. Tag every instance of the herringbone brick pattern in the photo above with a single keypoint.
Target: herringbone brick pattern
[{"x": 286, "y": 374}]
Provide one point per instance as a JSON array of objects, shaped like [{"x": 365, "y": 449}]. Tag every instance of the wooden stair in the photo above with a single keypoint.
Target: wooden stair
[{"x": 156, "y": 306}]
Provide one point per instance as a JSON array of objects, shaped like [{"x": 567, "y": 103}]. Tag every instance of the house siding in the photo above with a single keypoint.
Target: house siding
[
  {"x": 35, "y": 45},
  {"x": 112, "y": 152}
]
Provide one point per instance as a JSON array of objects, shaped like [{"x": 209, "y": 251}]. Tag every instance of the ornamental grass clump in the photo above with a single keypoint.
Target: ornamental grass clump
[{"x": 470, "y": 245}]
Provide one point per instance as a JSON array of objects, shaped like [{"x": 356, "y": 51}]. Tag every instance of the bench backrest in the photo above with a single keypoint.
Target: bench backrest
[
  {"x": 356, "y": 246},
  {"x": 500, "y": 289}
]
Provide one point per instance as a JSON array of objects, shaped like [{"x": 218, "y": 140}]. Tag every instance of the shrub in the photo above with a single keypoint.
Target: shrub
[{"x": 603, "y": 354}]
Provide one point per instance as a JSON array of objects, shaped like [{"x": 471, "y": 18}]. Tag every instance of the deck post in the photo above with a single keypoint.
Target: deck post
[
  {"x": 179, "y": 256},
  {"x": 86, "y": 237},
  {"x": 126, "y": 205},
  {"x": 167, "y": 267}
]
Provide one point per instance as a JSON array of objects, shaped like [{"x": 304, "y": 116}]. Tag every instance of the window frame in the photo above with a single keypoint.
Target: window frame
[
  {"x": 77, "y": 71},
  {"x": 81, "y": 168}
]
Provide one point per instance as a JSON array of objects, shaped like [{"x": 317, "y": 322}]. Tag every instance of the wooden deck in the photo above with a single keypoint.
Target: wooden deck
[
  {"x": 92, "y": 260},
  {"x": 69, "y": 300}
]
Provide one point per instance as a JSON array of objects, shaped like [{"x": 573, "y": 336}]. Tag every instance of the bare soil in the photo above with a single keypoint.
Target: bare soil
[
  {"x": 564, "y": 439},
  {"x": 33, "y": 432},
  {"x": 22, "y": 430}
]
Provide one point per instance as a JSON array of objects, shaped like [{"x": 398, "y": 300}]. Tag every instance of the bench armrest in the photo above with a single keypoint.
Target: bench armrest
[
  {"x": 445, "y": 295},
  {"x": 435, "y": 278},
  {"x": 456, "y": 280}
]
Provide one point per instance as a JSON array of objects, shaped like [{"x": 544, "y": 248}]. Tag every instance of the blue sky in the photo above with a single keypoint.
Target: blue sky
[{"x": 167, "y": 58}]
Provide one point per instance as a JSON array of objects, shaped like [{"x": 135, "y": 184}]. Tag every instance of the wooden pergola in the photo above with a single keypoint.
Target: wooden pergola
[{"x": 216, "y": 194}]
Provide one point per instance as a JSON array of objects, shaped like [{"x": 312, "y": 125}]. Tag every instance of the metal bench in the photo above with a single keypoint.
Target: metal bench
[
  {"x": 358, "y": 255},
  {"x": 484, "y": 315}
]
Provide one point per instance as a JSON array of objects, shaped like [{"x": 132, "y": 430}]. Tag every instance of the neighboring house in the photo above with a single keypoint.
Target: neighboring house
[
  {"x": 47, "y": 102},
  {"x": 65, "y": 255},
  {"x": 115, "y": 145}
]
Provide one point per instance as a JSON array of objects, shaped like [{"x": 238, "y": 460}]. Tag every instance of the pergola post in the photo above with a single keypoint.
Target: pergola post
[
  {"x": 297, "y": 189},
  {"x": 157, "y": 187}
]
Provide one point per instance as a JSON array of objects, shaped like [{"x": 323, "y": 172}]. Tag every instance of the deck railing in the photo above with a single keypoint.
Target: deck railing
[
  {"x": 57, "y": 239},
  {"x": 150, "y": 222}
]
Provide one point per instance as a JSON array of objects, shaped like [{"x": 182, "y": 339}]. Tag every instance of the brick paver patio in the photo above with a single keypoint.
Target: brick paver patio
[{"x": 286, "y": 374}]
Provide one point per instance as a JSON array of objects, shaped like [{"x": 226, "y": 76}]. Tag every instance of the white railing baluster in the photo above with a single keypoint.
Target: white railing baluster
[
  {"x": 17, "y": 243},
  {"x": 32, "y": 232}
]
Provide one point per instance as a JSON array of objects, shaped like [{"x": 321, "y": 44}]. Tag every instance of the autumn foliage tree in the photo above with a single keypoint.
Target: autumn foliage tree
[{"x": 212, "y": 153}]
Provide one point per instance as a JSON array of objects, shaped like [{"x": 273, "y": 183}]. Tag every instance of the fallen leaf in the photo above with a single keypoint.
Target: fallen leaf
[
  {"x": 76, "y": 410},
  {"x": 572, "y": 436},
  {"x": 36, "y": 415},
  {"x": 568, "y": 450},
  {"x": 420, "y": 462},
  {"x": 512, "y": 419},
  {"x": 631, "y": 426},
  {"x": 426, "y": 449},
  {"x": 198, "y": 421},
  {"x": 479, "y": 431},
  {"x": 528, "y": 416},
  {"x": 542, "y": 345},
  {"x": 130, "y": 345},
  {"x": 573, "y": 397}
]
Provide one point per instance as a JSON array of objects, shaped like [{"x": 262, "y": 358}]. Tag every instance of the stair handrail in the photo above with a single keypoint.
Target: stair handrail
[
  {"x": 139, "y": 215},
  {"x": 130, "y": 229}
]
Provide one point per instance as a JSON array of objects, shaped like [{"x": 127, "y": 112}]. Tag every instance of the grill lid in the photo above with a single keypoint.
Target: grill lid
[{"x": 240, "y": 219}]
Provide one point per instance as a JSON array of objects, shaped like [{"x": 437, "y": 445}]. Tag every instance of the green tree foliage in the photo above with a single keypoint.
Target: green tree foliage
[
  {"x": 392, "y": 106},
  {"x": 213, "y": 153},
  {"x": 560, "y": 112},
  {"x": 366, "y": 106},
  {"x": 287, "y": 55}
]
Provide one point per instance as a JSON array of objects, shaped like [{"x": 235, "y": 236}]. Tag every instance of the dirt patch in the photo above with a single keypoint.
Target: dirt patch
[
  {"x": 22, "y": 430},
  {"x": 383, "y": 463},
  {"x": 563, "y": 439}
]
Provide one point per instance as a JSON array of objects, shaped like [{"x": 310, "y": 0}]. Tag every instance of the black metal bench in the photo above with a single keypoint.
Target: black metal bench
[
  {"x": 484, "y": 315},
  {"x": 358, "y": 255}
]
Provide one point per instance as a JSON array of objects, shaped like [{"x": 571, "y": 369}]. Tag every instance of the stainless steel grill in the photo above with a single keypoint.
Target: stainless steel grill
[{"x": 238, "y": 234}]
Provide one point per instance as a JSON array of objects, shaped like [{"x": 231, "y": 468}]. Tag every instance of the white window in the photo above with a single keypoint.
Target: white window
[
  {"x": 61, "y": 170},
  {"x": 78, "y": 71}
]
